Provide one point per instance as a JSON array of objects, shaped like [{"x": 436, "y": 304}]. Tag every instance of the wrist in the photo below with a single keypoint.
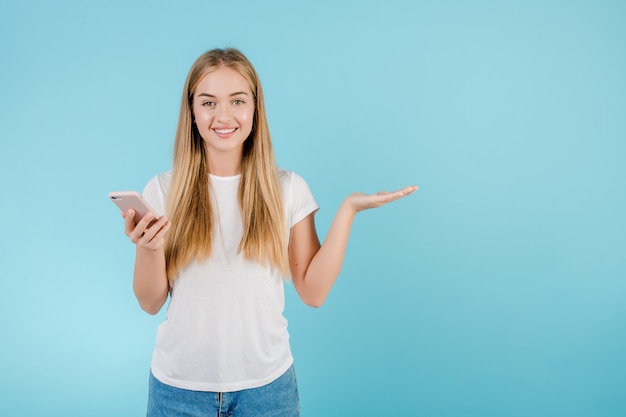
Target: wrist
[
  {"x": 347, "y": 207},
  {"x": 150, "y": 252}
]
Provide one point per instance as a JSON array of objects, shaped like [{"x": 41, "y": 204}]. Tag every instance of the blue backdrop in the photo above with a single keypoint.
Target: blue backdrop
[{"x": 496, "y": 290}]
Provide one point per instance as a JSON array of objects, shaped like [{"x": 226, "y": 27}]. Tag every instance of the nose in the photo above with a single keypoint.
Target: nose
[{"x": 223, "y": 112}]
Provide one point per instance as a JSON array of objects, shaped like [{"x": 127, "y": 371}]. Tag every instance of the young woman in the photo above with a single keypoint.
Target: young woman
[{"x": 235, "y": 226}]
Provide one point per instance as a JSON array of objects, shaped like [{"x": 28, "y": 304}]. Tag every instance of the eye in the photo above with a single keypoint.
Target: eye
[
  {"x": 238, "y": 102},
  {"x": 208, "y": 104}
]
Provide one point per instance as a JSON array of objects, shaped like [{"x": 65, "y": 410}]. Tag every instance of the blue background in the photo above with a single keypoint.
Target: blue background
[{"x": 496, "y": 290}]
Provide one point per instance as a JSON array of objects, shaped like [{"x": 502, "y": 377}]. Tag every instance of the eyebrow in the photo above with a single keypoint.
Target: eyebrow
[{"x": 212, "y": 96}]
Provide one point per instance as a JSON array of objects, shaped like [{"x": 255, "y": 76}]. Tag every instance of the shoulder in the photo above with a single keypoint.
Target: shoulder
[
  {"x": 160, "y": 182},
  {"x": 284, "y": 174},
  {"x": 156, "y": 189},
  {"x": 298, "y": 199},
  {"x": 289, "y": 179}
]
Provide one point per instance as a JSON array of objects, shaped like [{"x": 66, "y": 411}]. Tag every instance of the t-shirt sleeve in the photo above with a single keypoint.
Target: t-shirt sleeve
[
  {"x": 154, "y": 194},
  {"x": 302, "y": 201}
]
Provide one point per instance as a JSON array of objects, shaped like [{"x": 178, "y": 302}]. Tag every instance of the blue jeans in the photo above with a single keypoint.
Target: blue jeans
[{"x": 276, "y": 399}]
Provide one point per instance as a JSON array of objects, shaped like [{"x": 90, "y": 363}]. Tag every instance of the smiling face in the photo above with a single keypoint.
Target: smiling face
[{"x": 223, "y": 110}]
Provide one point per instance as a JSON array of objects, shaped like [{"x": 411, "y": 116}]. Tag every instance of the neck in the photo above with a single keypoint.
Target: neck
[{"x": 224, "y": 165}]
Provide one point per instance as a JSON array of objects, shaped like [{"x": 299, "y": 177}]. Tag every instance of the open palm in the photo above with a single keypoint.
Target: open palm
[{"x": 362, "y": 201}]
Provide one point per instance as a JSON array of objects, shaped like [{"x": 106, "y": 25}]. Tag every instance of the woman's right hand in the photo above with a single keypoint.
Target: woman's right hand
[{"x": 147, "y": 233}]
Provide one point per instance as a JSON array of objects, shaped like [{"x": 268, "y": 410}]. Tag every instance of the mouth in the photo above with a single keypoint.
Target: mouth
[{"x": 225, "y": 133}]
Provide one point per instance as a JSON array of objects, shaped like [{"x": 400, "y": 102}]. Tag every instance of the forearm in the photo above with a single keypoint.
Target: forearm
[
  {"x": 327, "y": 262},
  {"x": 315, "y": 268},
  {"x": 150, "y": 280}
]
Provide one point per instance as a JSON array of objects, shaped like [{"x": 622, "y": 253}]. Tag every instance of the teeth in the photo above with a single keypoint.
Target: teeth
[{"x": 225, "y": 131}]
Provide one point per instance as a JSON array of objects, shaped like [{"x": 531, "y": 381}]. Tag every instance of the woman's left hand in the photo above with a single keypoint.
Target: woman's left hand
[{"x": 360, "y": 201}]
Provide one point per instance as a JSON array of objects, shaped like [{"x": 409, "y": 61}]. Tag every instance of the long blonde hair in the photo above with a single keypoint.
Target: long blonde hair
[{"x": 189, "y": 205}]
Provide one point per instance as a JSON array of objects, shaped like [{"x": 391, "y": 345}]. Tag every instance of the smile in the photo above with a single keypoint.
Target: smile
[{"x": 225, "y": 131}]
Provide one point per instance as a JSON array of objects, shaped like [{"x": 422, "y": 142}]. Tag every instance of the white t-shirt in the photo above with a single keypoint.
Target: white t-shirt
[{"x": 225, "y": 330}]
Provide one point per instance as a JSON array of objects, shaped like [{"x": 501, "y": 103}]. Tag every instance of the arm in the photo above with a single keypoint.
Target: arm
[
  {"x": 315, "y": 267},
  {"x": 150, "y": 282}
]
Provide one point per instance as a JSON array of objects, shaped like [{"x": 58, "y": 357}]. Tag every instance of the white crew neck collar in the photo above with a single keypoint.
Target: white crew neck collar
[{"x": 224, "y": 178}]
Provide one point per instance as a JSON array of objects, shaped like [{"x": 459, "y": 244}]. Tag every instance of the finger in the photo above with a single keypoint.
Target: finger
[
  {"x": 129, "y": 222},
  {"x": 151, "y": 231},
  {"x": 154, "y": 237},
  {"x": 404, "y": 192},
  {"x": 407, "y": 190},
  {"x": 396, "y": 195},
  {"x": 141, "y": 227},
  {"x": 162, "y": 231}
]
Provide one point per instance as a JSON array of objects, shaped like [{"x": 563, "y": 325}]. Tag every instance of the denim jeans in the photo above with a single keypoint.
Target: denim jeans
[{"x": 276, "y": 399}]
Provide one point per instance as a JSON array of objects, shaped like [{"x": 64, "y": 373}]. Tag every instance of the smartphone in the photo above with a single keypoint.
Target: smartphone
[{"x": 127, "y": 200}]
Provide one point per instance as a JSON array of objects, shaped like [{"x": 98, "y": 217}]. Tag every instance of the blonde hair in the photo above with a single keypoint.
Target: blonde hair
[{"x": 189, "y": 205}]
